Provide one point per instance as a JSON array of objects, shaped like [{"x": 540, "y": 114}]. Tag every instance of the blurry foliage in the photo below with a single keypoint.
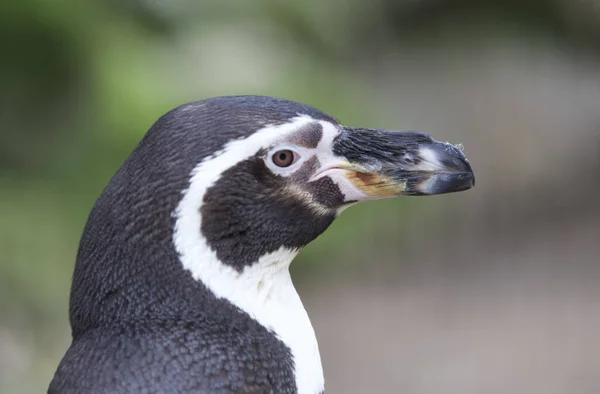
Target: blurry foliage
[{"x": 83, "y": 81}]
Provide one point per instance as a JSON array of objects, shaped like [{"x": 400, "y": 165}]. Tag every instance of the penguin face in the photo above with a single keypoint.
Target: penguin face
[
  {"x": 267, "y": 197},
  {"x": 284, "y": 181}
]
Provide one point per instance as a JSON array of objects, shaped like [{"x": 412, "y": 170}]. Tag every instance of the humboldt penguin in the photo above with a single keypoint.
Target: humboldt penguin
[{"x": 181, "y": 283}]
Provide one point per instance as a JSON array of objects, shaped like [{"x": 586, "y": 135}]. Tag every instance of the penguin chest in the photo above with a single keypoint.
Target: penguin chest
[
  {"x": 286, "y": 317},
  {"x": 276, "y": 305}
]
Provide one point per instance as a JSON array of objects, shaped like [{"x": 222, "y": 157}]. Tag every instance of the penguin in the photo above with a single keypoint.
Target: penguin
[{"x": 181, "y": 282}]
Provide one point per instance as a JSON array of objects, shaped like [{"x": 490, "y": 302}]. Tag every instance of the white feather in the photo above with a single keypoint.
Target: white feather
[{"x": 264, "y": 290}]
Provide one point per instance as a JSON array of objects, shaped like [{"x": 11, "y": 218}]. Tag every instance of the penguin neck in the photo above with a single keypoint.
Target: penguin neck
[
  {"x": 266, "y": 293},
  {"x": 255, "y": 289}
]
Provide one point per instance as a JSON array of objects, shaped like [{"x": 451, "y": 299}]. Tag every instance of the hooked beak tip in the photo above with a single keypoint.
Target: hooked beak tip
[{"x": 443, "y": 169}]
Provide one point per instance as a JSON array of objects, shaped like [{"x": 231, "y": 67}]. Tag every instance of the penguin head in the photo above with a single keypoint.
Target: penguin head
[
  {"x": 217, "y": 185},
  {"x": 292, "y": 170}
]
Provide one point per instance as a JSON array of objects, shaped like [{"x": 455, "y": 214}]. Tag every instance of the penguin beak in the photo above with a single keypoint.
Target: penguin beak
[{"x": 382, "y": 163}]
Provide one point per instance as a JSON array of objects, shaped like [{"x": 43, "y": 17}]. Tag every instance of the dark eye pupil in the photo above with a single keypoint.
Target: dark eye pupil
[{"x": 283, "y": 158}]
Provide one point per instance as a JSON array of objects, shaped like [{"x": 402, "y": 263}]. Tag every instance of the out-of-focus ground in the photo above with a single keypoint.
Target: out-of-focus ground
[{"x": 495, "y": 290}]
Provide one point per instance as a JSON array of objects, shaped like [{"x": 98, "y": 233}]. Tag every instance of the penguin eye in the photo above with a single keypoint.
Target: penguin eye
[{"x": 284, "y": 158}]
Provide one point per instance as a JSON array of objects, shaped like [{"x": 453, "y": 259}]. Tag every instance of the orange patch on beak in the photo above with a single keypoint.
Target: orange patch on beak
[{"x": 374, "y": 184}]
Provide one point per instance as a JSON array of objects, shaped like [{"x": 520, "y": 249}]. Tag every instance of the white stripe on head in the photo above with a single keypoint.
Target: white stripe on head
[{"x": 263, "y": 290}]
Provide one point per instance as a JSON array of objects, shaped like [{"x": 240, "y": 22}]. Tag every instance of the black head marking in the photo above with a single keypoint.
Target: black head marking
[
  {"x": 326, "y": 193},
  {"x": 323, "y": 191},
  {"x": 309, "y": 136},
  {"x": 247, "y": 213},
  {"x": 308, "y": 169}
]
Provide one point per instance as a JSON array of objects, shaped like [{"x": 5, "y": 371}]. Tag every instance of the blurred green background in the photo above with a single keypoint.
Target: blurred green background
[{"x": 496, "y": 290}]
